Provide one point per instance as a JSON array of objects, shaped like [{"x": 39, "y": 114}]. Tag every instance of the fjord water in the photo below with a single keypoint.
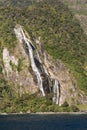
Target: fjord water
[{"x": 43, "y": 122}]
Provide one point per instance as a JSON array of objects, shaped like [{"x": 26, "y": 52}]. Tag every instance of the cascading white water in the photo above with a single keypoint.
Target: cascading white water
[
  {"x": 56, "y": 91},
  {"x": 39, "y": 68},
  {"x": 33, "y": 65}
]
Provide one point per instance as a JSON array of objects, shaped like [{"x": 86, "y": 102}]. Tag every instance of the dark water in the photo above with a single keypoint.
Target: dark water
[{"x": 43, "y": 122}]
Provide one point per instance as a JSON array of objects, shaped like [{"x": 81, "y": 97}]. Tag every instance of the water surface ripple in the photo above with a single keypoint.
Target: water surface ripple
[{"x": 43, "y": 122}]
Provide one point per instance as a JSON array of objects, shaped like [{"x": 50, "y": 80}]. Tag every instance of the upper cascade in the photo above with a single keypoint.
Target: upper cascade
[
  {"x": 19, "y": 32},
  {"x": 46, "y": 83}
]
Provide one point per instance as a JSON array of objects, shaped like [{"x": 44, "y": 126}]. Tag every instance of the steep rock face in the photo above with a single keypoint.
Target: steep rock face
[
  {"x": 46, "y": 84},
  {"x": 18, "y": 70},
  {"x": 57, "y": 70}
]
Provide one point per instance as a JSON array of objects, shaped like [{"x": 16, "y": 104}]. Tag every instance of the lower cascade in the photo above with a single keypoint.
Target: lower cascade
[
  {"x": 45, "y": 82},
  {"x": 56, "y": 91}
]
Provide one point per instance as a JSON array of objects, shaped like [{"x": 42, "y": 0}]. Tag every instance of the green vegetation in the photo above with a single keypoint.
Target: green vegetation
[
  {"x": 16, "y": 2},
  {"x": 6, "y": 91},
  {"x": 79, "y": 10},
  {"x": 20, "y": 64},
  {"x": 82, "y": 107},
  {"x": 32, "y": 103},
  {"x": 61, "y": 34},
  {"x": 77, "y": 6}
]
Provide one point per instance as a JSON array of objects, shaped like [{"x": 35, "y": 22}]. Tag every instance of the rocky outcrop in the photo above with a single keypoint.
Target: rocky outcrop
[
  {"x": 28, "y": 55},
  {"x": 57, "y": 70},
  {"x": 16, "y": 70}
]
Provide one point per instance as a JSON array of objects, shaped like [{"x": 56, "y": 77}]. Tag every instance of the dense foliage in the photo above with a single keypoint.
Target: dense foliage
[
  {"x": 58, "y": 29},
  {"x": 16, "y": 2},
  {"x": 32, "y": 103}
]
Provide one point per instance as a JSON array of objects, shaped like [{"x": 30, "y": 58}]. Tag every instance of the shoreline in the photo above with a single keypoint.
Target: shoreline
[{"x": 47, "y": 113}]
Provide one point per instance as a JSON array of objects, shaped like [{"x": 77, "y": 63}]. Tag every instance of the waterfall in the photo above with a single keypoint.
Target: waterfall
[
  {"x": 34, "y": 68},
  {"x": 56, "y": 91},
  {"x": 33, "y": 65},
  {"x": 45, "y": 81}
]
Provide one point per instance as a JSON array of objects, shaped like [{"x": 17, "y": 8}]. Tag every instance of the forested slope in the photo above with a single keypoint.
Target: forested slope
[{"x": 58, "y": 30}]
